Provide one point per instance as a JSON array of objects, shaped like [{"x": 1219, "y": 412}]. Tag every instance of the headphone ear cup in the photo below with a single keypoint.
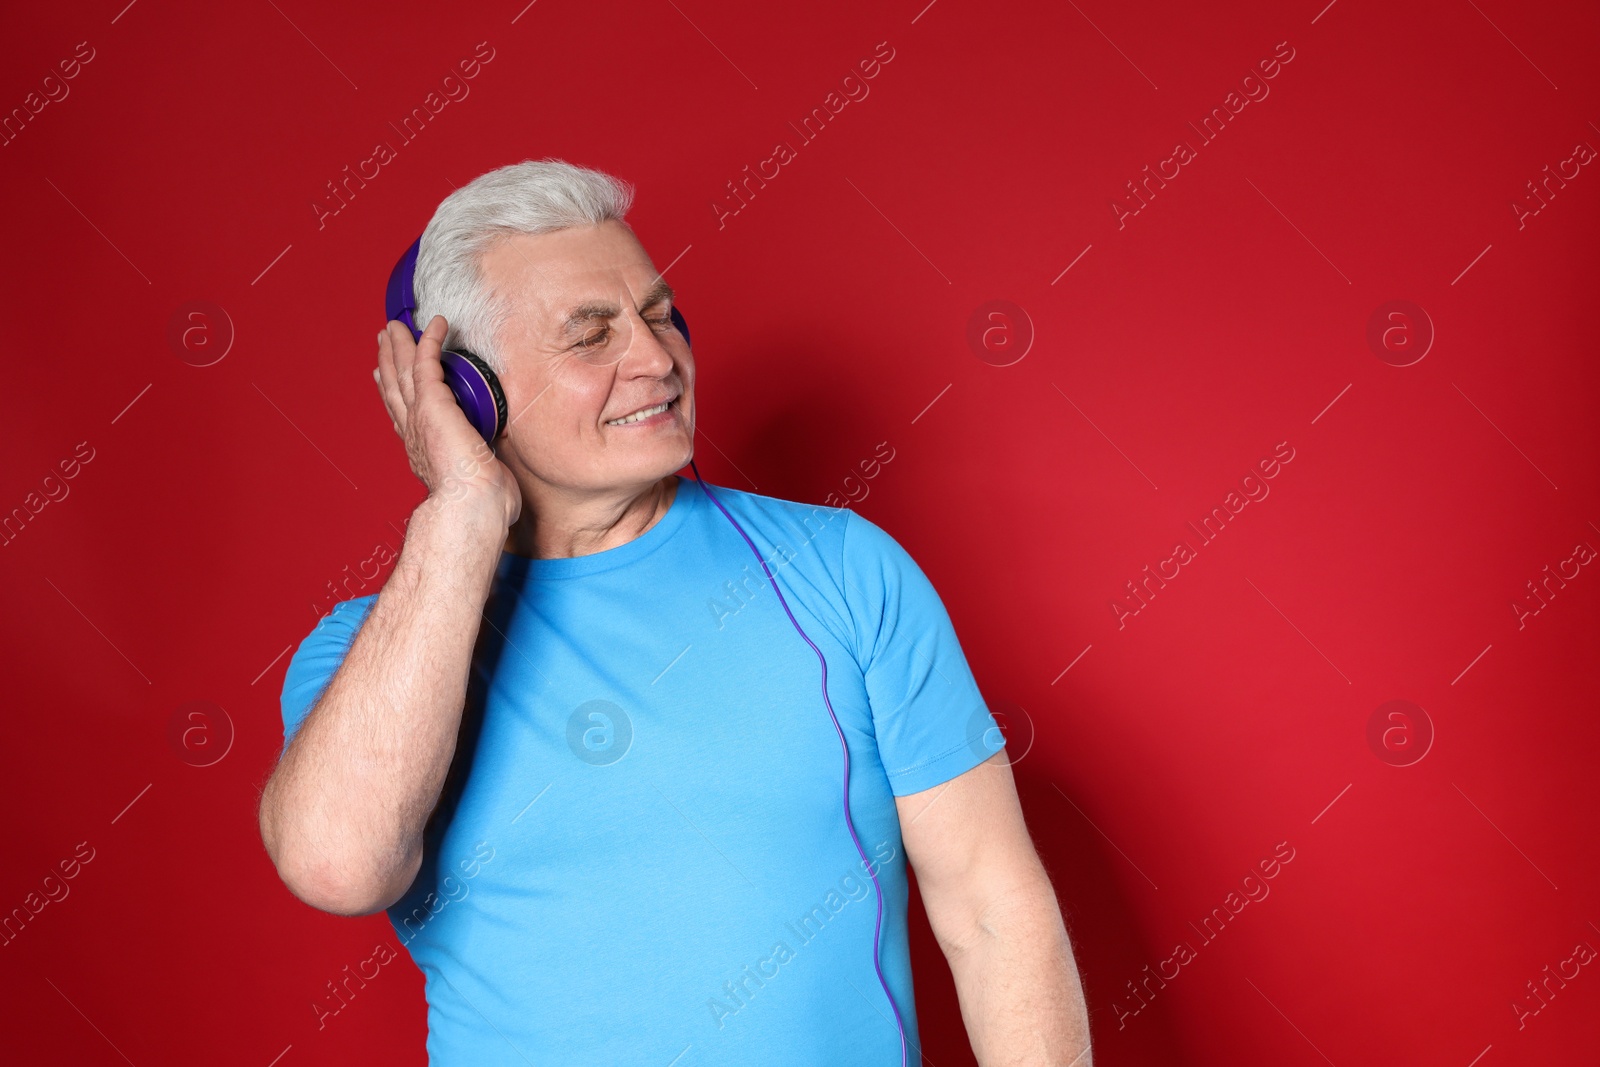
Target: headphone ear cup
[{"x": 477, "y": 390}]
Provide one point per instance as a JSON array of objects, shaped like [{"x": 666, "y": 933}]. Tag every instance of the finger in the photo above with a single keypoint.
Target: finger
[
  {"x": 427, "y": 370},
  {"x": 383, "y": 397},
  {"x": 388, "y": 380},
  {"x": 427, "y": 366},
  {"x": 384, "y": 373},
  {"x": 404, "y": 352}
]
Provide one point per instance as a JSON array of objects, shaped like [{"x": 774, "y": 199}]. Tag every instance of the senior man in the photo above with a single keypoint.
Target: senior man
[{"x": 606, "y": 816}]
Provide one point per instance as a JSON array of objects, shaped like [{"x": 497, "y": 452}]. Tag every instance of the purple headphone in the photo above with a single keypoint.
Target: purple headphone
[{"x": 474, "y": 384}]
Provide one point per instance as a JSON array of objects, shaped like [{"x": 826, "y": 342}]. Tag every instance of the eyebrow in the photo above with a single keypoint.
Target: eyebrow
[{"x": 588, "y": 312}]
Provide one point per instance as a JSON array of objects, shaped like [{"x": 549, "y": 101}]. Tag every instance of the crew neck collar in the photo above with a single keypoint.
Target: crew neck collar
[{"x": 685, "y": 499}]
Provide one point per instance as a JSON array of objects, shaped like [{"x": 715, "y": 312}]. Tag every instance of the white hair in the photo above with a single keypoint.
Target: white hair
[{"x": 532, "y": 197}]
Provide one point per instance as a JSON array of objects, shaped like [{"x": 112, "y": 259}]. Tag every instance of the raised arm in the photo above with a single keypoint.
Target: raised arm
[{"x": 343, "y": 814}]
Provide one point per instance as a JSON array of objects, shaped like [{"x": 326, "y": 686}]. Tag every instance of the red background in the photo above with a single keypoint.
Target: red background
[{"x": 1230, "y": 314}]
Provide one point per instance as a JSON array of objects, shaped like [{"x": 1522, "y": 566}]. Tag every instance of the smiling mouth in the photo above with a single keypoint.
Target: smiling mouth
[{"x": 642, "y": 414}]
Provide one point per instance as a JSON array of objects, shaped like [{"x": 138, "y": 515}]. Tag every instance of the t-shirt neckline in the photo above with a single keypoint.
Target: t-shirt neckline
[{"x": 685, "y": 500}]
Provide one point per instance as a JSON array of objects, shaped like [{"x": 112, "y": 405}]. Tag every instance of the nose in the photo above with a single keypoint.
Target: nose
[{"x": 647, "y": 355}]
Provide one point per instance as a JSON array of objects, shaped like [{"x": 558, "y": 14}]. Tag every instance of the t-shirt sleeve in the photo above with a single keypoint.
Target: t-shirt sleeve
[
  {"x": 313, "y": 664},
  {"x": 931, "y": 722}
]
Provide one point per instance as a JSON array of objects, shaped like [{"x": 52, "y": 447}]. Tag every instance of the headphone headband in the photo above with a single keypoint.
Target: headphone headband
[
  {"x": 400, "y": 299},
  {"x": 472, "y": 382}
]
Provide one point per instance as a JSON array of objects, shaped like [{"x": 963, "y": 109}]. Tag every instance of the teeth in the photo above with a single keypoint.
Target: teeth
[{"x": 636, "y": 416}]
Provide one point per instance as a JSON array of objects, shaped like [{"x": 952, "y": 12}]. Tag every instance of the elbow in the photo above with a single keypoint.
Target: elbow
[
  {"x": 333, "y": 891},
  {"x": 1023, "y": 909},
  {"x": 315, "y": 876}
]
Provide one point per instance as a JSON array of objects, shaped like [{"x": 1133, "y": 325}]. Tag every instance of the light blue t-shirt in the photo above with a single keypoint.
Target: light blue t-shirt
[{"x": 640, "y": 855}]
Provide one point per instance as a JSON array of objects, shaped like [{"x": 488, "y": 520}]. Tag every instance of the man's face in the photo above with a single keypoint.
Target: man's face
[{"x": 589, "y": 341}]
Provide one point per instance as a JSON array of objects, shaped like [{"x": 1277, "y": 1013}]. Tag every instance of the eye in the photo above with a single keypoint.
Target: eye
[
  {"x": 590, "y": 342},
  {"x": 663, "y": 323}
]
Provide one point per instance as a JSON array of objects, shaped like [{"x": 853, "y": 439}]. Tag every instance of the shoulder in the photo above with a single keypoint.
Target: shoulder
[
  {"x": 318, "y": 657},
  {"x": 744, "y": 502},
  {"x": 790, "y": 528},
  {"x": 855, "y": 562},
  {"x": 345, "y": 616},
  {"x": 331, "y": 636},
  {"x": 838, "y": 536}
]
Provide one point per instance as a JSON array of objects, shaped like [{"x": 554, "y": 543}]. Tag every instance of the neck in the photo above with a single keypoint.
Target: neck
[{"x": 557, "y": 523}]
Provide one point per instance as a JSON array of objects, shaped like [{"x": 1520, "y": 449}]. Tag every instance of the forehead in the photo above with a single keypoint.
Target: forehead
[{"x": 552, "y": 270}]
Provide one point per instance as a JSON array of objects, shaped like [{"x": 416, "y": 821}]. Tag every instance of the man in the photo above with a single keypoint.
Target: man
[{"x": 575, "y": 746}]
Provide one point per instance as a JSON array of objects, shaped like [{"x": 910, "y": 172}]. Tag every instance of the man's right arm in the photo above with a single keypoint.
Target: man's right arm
[{"x": 343, "y": 814}]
